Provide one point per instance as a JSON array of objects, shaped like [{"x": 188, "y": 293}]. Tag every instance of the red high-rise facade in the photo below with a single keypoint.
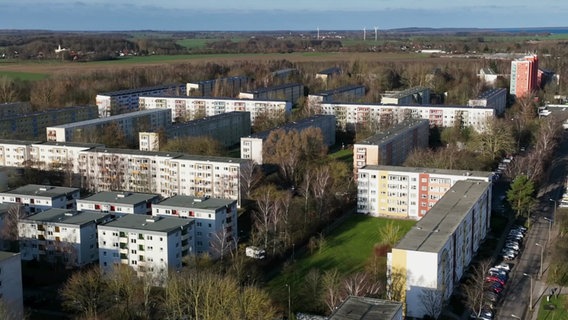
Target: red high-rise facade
[{"x": 524, "y": 76}]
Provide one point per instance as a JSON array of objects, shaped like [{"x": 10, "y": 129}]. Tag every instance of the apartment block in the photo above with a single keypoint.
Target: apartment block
[
  {"x": 128, "y": 124},
  {"x": 150, "y": 245},
  {"x": 37, "y": 198},
  {"x": 185, "y": 109},
  {"x": 215, "y": 221},
  {"x": 52, "y": 155},
  {"x": 436, "y": 252},
  {"x": 9, "y": 109},
  {"x": 61, "y": 236},
  {"x": 119, "y": 203},
  {"x": 391, "y": 147},
  {"x": 349, "y": 115},
  {"x": 11, "y": 288},
  {"x": 226, "y": 128},
  {"x": 123, "y": 101},
  {"x": 290, "y": 92},
  {"x": 252, "y": 146},
  {"x": 33, "y": 125},
  {"x": 15, "y": 153},
  {"x": 493, "y": 98},
  {"x": 344, "y": 94},
  {"x": 407, "y": 192},
  {"x": 415, "y": 95},
  {"x": 229, "y": 86},
  {"x": 328, "y": 73},
  {"x": 524, "y": 76},
  {"x": 365, "y": 308}
]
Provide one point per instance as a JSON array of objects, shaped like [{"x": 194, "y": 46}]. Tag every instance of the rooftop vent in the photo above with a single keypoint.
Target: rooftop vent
[
  {"x": 69, "y": 214},
  {"x": 45, "y": 188},
  {"x": 152, "y": 219},
  {"x": 123, "y": 195}
]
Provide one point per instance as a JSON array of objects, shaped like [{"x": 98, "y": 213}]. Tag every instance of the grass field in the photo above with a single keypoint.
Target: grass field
[
  {"x": 348, "y": 248},
  {"x": 553, "y": 310},
  {"x": 23, "y": 75},
  {"x": 194, "y": 43},
  {"x": 345, "y": 155}
]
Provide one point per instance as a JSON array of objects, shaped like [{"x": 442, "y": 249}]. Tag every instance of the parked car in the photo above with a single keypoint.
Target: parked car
[
  {"x": 503, "y": 266},
  {"x": 496, "y": 287},
  {"x": 502, "y": 276},
  {"x": 517, "y": 233},
  {"x": 493, "y": 279},
  {"x": 508, "y": 254},
  {"x": 512, "y": 245},
  {"x": 491, "y": 296}
]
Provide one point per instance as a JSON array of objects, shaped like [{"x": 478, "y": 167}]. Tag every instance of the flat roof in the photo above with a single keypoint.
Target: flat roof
[
  {"x": 51, "y": 111},
  {"x": 148, "y": 223},
  {"x": 71, "y": 144},
  {"x": 491, "y": 92},
  {"x": 292, "y": 125},
  {"x": 120, "y": 197},
  {"x": 362, "y": 308},
  {"x": 394, "y": 131},
  {"x": 202, "y": 82},
  {"x": 5, "y": 255},
  {"x": 211, "y": 98},
  {"x": 404, "y": 93},
  {"x": 172, "y": 155},
  {"x": 142, "y": 90},
  {"x": 339, "y": 90},
  {"x": 66, "y": 216},
  {"x": 111, "y": 118},
  {"x": 19, "y": 142},
  {"x": 432, "y": 232},
  {"x": 272, "y": 88},
  {"x": 425, "y": 106},
  {"x": 331, "y": 70},
  {"x": 196, "y": 202},
  {"x": 471, "y": 173},
  {"x": 41, "y": 190}
]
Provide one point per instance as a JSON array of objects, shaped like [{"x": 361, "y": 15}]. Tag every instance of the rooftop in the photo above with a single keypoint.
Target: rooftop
[
  {"x": 18, "y": 142},
  {"x": 171, "y": 155},
  {"x": 340, "y": 90},
  {"x": 422, "y": 106},
  {"x": 220, "y": 79},
  {"x": 67, "y": 216},
  {"x": 210, "y": 98},
  {"x": 112, "y": 118},
  {"x": 394, "y": 131},
  {"x": 196, "y": 202},
  {"x": 302, "y": 123},
  {"x": 404, "y": 93},
  {"x": 332, "y": 70},
  {"x": 488, "y": 71},
  {"x": 473, "y": 174},
  {"x": 491, "y": 92},
  {"x": 71, "y": 144},
  {"x": 148, "y": 223},
  {"x": 4, "y": 255},
  {"x": 142, "y": 90},
  {"x": 41, "y": 191},
  {"x": 121, "y": 197},
  {"x": 362, "y": 308},
  {"x": 432, "y": 232},
  {"x": 278, "y": 87}
]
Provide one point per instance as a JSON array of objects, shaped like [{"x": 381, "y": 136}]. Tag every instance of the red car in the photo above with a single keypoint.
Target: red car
[{"x": 494, "y": 279}]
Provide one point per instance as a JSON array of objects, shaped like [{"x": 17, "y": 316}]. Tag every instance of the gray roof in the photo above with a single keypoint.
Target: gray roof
[
  {"x": 173, "y": 155},
  {"x": 491, "y": 92},
  {"x": 144, "y": 89},
  {"x": 120, "y": 197},
  {"x": 418, "y": 106},
  {"x": 330, "y": 71},
  {"x": 473, "y": 174},
  {"x": 339, "y": 90},
  {"x": 432, "y": 232},
  {"x": 41, "y": 191},
  {"x": 404, "y": 93},
  {"x": 278, "y": 87},
  {"x": 71, "y": 144},
  {"x": 298, "y": 124},
  {"x": 212, "y": 98},
  {"x": 148, "y": 223},
  {"x": 67, "y": 216},
  {"x": 394, "y": 131},
  {"x": 196, "y": 202},
  {"x": 362, "y": 308},
  {"x": 112, "y": 118},
  {"x": 4, "y": 255},
  {"x": 18, "y": 142}
]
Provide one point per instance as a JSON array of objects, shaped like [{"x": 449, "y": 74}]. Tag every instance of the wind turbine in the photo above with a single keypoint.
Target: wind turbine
[
  {"x": 364, "y": 33},
  {"x": 318, "y": 33},
  {"x": 376, "y": 28}
]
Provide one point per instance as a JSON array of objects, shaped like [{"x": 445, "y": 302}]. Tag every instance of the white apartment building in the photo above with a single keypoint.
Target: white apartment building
[
  {"x": 436, "y": 252},
  {"x": 128, "y": 124},
  {"x": 407, "y": 192},
  {"x": 252, "y": 146},
  {"x": 53, "y": 155},
  {"x": 61, "y": 235},
  {"x": 344, "y": 94},
  {"x": 14, "y": 153},
  {"x": 123, "y": 101},
  {"x": 119, "y": 203},
  {"x": 11, "y": 289},
  {"x": 493, "y": 98},
  {"x": 349, "y": 115},
  {"x": 37, "y": 198},
  {"x": 215, "y": 221},
  {"x": 216, "y": 87},
  {"x": 191, "y": 108},
  {"x": 148, "y": 244},
  {"x": 290, "y": 92}
]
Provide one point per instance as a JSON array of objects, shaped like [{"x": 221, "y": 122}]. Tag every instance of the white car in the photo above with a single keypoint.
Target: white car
[{"x": 503, "y": 266}]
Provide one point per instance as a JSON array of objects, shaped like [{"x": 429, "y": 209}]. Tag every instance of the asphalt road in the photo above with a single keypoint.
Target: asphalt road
[{"x": 516, "y": 298}]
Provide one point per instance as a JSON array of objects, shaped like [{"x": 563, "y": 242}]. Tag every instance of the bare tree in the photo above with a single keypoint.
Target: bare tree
[
  {"x": 475, "y": 286},
  {"x": 222, "y": 243},
  {"x": 86, "y": 292},
  {"x": 9, "y": 228},
  {"x": 8, "y": 92},
  {"x": 361, "y": 284},
  {"x": 331, "y": 281},
  {"x": 251, "y": 176},
  {"x": 432, "y": 301},
  {"x": 320, "y": 186},
  {"x": 266, "y": 204}
]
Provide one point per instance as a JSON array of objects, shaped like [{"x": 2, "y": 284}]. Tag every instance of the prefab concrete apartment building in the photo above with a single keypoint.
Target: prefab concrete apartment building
[
  {"x": 349, "y": 115},
  {"x": 216, "y": 87},
  {"x": 190, "y": 108},
  {"x": 415, "y": 95},
  {"x": 434, "y": 254},
  {"x": 343, "y": 94},
  {"x": 215, "y": 221},
  {"x": 61, "y": 235},
  {"x": 37, "y": 198},
  {"x": 150, "y": 245},
  {"x": 128, "y": 124},
  {"x": 493, "y": 98},
  {"x": 290, "y": 92},
  {"x": 119, "y": 203},
  {"x": 11, "y": 289},
  {"x": 226, "y": 128},
  {"x": 123, "y": 101},
  {"x": 252, "y": 146},
  {"x": 524, "y": 76},
  {"x": 392, "y": 146},
  {"x": 407, "y": 192}
]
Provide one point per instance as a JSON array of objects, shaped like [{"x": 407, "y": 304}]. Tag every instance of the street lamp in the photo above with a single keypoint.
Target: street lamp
[
  {"x": 541, "y": 257},
  {"x": 549, "y": 228},
  {"x": 554, "y": 211},
  {"x": 531, "y": 292},
  {"x": 289, "y": 304}
]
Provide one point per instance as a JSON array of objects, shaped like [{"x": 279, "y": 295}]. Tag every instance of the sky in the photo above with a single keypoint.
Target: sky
[{"x": 244, "y": 15}]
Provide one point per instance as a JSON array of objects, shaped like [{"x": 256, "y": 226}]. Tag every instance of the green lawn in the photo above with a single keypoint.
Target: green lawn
[
  {"x": 345, "y": 155},
  {"x": 23, "y": 75},
  {"x": 194, "y": 43},
  {"x": 347, "y": 248},
  {"x": 553, "y": 310}
]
